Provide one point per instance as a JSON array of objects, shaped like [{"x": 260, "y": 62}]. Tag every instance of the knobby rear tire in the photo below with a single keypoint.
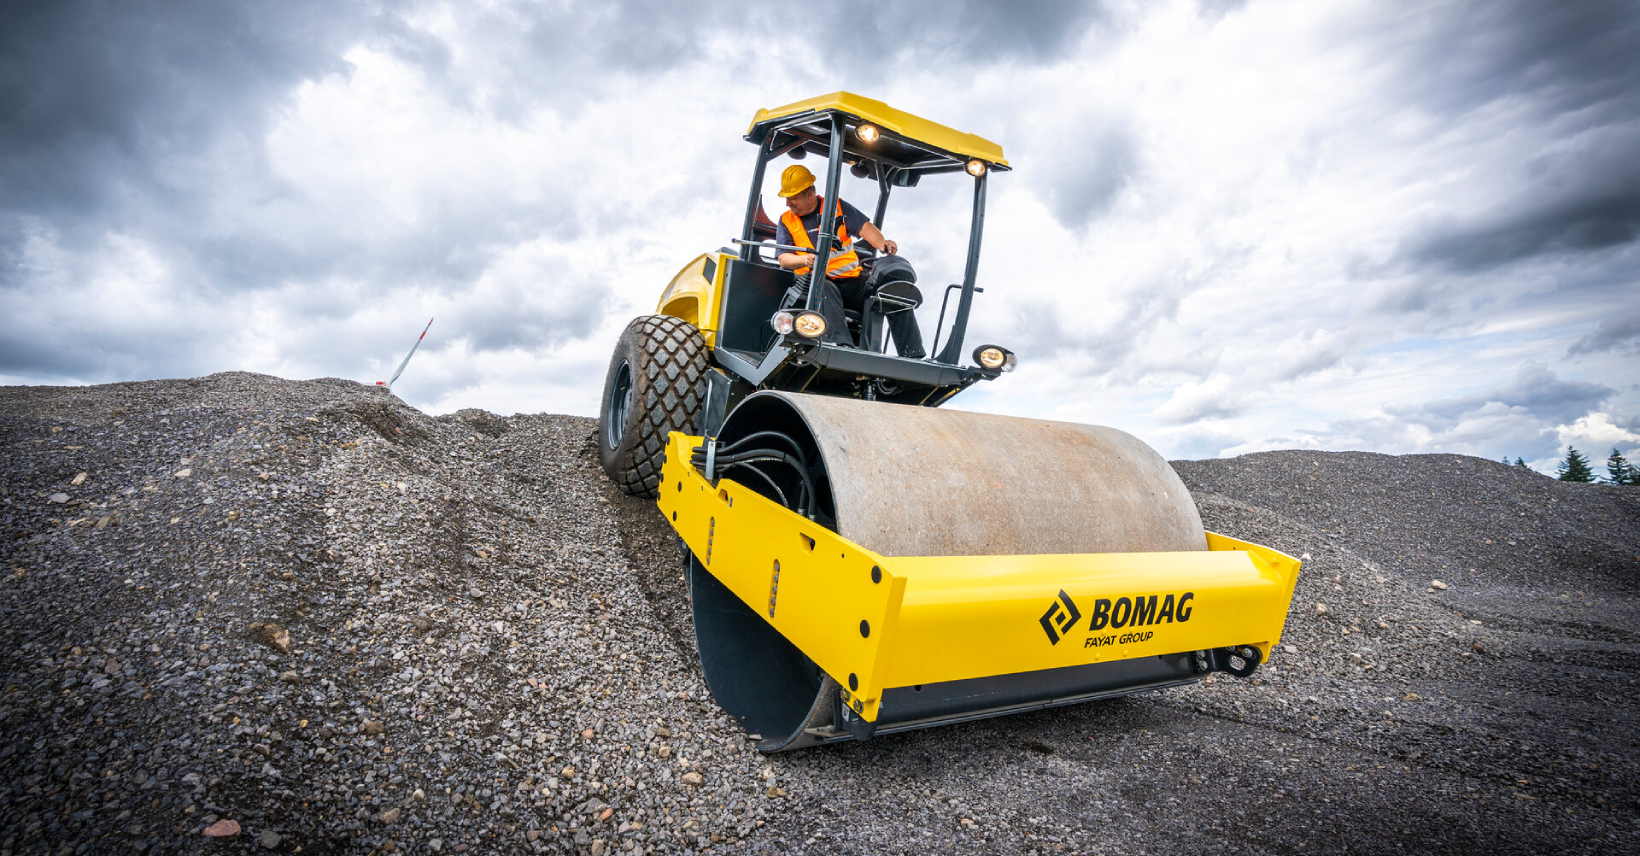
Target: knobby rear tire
[{"x": 655, "y": 385}]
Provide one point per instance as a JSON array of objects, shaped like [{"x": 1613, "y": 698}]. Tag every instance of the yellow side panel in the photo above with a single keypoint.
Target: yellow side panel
[
  {"x": 898, "y": 121},
  {"x": 812, "y": 585},
  {"x": 1273, "y": 561},
  {"x": 973, "y": 616},
  {"x": 693, "y": 297},
  {"x": 874, "y": 622}
]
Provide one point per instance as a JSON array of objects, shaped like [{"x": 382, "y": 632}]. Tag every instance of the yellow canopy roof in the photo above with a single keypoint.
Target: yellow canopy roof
[{"x": 889, "y": 119}]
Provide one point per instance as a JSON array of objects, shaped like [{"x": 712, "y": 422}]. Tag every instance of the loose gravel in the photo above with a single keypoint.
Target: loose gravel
[
  {"x": 243, "y": 614},
  {"x": 344, "y": 625}
]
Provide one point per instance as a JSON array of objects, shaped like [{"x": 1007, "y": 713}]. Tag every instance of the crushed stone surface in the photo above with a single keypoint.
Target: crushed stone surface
[{"x": 244, "y": 614}]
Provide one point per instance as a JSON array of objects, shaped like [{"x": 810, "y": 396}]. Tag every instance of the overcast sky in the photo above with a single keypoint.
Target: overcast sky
[{"x": 1394, "y": 227}]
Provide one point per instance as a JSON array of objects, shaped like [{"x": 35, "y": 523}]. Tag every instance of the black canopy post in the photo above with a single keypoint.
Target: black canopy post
[
  {"x": 882, "y": 194},
  {"x": 827, "y": 231},
  {"x": 754, "y": 201},
  {"x": 951, "y": 353}
]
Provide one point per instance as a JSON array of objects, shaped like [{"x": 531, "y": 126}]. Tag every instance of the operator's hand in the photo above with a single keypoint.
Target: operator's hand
[{"x": 890, "y": 247}]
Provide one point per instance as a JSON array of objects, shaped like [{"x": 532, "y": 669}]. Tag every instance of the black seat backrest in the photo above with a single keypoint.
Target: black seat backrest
[
  {"x": 751, "y": 296},
  {"x": 763, "y": 228}
]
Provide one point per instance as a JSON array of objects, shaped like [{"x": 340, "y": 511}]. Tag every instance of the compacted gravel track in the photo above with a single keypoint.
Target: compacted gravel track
[{"x": 309, "y": 613}]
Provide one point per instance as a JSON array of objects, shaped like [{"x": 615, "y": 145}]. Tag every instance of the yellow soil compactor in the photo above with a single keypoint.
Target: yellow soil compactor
[{"x": 860, "y": 562}]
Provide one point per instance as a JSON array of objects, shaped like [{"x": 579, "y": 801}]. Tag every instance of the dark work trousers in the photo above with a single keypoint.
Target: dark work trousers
[{"x": 852, "y": 292}]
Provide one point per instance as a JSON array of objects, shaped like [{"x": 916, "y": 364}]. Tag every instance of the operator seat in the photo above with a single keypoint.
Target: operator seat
[{"x": 893, "y": 290}]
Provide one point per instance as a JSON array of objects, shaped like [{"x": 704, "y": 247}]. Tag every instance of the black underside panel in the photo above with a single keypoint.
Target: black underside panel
[{"x": 955, "y": 701}]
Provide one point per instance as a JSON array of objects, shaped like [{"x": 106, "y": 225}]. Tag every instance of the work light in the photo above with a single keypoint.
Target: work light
[
  {"x": 781, "y": 322},
  {"x": 976, "y": 167},
  {"x": 810, "y": 325},
  {"x": 995, "y": 358},
  {"x": 866, "y": 133}
]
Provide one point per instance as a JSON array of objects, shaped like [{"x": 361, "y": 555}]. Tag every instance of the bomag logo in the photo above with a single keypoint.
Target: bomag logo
[
  {"x": 1131, "y": 612},
  {"x": 1140, "y": 611},
  {"x": 1061, "y": 616}
]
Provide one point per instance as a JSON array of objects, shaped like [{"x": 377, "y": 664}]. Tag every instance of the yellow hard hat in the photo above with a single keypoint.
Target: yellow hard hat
[{"x": 795, "y": 180}]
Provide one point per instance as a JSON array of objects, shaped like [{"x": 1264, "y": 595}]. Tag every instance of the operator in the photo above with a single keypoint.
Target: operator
[{"x": 844, "y": 284}]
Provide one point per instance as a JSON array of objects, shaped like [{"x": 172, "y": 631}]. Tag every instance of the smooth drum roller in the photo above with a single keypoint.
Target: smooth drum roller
[
  {"x": 905, "y": 481},
  {"x": 862, "y": 561}
]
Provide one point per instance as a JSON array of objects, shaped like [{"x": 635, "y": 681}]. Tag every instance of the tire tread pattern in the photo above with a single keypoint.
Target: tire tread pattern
[{"x": 668, "y": 385}]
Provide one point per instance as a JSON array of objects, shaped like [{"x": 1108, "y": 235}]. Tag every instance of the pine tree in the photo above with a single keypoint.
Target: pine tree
[
  {"x": 1575, "y": 468},
  {"x": 1519, "y": 462},
  {"x": 1620, "y": 471}
]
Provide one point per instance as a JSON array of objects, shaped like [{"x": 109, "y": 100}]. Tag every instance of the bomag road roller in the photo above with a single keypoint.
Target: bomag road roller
[{"x": 860, "y": 562}]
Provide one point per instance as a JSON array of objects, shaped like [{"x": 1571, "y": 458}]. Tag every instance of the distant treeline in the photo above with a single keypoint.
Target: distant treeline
[{"x": 1575, "y": 468}]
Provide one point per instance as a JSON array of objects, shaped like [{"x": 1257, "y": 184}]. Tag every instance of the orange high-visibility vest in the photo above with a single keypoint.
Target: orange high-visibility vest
[{"x": 844, "y": 262}]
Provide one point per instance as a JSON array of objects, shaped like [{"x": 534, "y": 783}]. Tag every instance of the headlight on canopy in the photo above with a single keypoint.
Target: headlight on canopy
[
  {"x": 976, "y": 167},
  {"x": 995, "y": 358},
  {"x": 866, "y": 133},
  {"x": 810, "y": 325}
]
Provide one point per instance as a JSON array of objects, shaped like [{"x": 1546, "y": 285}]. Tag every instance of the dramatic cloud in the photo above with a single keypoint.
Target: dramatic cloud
[
  {"x": 1582, "y": 196},
  {"x": 1618, "y": 333},
  {"x": 1535, "y": 392},
  {"x": 109, "y": 106},
  {"x": 1555, "y": 58},
  {"x": 1231, "y": 225},
  {"x": 1094, "y": 170},
  {"x": 1213, "y": 398}
]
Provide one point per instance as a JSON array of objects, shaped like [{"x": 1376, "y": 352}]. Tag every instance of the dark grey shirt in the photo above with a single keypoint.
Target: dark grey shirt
[{"x": 853, "y": 220}]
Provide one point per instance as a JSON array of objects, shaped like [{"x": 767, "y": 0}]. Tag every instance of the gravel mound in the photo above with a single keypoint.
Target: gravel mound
[
  {"x": 342, "y": 624},
  {"x": 1445, "y": 516},
  {"x": 240, "y": 613}
]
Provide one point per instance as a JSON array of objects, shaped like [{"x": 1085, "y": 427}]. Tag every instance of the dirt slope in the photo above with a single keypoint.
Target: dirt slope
[{"x": 489, "y": 651}]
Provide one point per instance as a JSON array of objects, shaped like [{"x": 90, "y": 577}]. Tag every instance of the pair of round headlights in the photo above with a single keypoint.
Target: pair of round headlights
[
  {"x": 812, "y": 325},
  {"x": 809, "y": 325}
]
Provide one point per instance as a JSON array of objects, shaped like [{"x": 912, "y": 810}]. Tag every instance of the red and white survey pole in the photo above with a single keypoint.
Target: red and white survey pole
[{"x": 407, "y": 357}]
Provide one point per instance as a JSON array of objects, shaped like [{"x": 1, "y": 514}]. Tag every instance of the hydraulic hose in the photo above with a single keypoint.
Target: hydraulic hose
[
  {"x": 765, "y": 477},
  {"x": 747, "y": 459},
  {"x": 775, "y": 435}
]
